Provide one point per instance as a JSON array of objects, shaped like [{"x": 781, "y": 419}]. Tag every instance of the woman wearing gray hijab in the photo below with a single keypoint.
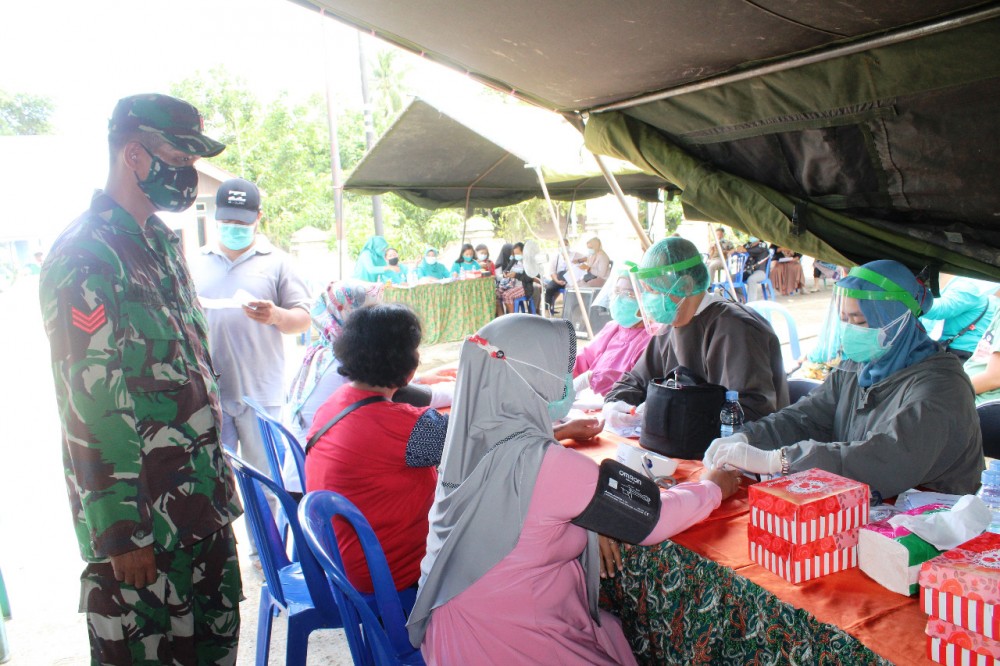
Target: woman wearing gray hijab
[{"x": 508, "y": 577}]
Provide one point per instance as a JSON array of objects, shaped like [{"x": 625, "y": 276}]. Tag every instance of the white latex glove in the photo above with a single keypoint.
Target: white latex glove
[
  {"x": 581, "y": 382},
  {"x": 740, "y": 455},
  {"x": 713, "y": 449},
  {"x": 620, "y": 414}
]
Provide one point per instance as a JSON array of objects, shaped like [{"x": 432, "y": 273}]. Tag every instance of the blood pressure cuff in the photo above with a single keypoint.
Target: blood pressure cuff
[{"x": 625, "y": 506}]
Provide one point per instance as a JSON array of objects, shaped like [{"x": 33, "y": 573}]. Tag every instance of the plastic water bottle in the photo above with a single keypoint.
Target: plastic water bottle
[
  {"x": 731, "y": 417},
  {"x": 990, "y": 493}
]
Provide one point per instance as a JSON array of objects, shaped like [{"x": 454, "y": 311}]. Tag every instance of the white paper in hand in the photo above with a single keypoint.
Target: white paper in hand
[
  {"x": 945, "y": 530},
  {"x": 238, "y": 300}
]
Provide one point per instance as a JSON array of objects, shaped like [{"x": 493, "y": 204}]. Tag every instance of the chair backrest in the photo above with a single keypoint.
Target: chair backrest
[
  {"x": 801, "y": 387},
  {"x": 767, "y": 266},
  {"x": 278, "y": 441},
  {"x": 316, "y": 513},
  {"x": 989, "y": 421},
  {"x": 767, "y": 310},
  {"x": 738, "y": 262},
  {"x": 261, "y": 523}
]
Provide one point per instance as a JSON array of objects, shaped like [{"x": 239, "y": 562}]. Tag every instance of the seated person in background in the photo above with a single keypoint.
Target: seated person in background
[
  {"x": 716, "y": 263},
  {"x": 394, "y": 271},
  {"x": 382, "y": 456},
  {"x": 557, "y": 273},
  {"x": 514, "y": 282},
  {"x": 502, "y": 582},
  {"x": 787, "y": 275},
  {"x": 896, "y": 413},
  {"x": 597, "y": 264},
  {"x": 483, "y": 258},
  {"x": 371, "y": 263},
  {"x": 984, "y": 366},
  {"x": 755, "y": 270},
  {"x": 967, "y": 309},
  {"x": 430, "y": 267},
  {"x": 466, "y": 261},
  {"x": 724, "y": 342}
]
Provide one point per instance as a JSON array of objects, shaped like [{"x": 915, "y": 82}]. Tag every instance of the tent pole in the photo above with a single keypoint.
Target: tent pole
[
  {"x": 613, "y": 184},
  {"x": 338, "y": 187},
  {"x": 565, "y": 254}
]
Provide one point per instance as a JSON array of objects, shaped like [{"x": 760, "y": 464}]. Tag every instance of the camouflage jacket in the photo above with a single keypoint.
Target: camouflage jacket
[{"x": 136, "y": 392}]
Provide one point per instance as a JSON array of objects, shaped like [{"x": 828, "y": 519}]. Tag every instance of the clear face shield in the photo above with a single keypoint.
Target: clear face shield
[
  {"x": 618, "y": 297},
  {"x": 660, "y": 290},
  {"x": 857, "y": 327}
]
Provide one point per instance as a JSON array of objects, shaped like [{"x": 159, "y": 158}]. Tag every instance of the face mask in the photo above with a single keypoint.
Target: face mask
[
  {"x": 518, "y": 257},
  {"x": 625, "y": 311},
  {"x": 169, "y": 188},
  {"x": 591, "y": 250},
  {"x": 860, "y": 343},
  {"x": 431, "y": 260},
  {"x": 467, "y": 258},
  {"x": 558, "y": 409},
  {"x": 660, "y": 307},
  {"x": 483, "y": 256},
  {"x": 394, "y": 261},
  {"x": 236, "y": 236}
]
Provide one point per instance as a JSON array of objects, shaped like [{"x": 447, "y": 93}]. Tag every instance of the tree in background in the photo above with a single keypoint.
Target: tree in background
[{"x": 23, "y": 114}]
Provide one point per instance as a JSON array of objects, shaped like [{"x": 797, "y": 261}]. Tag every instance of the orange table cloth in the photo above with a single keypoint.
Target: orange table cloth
[{"x": 890, "y": 625}]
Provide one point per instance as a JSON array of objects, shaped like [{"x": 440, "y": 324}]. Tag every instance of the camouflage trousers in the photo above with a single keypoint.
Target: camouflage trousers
[{"x": 190, "y": 615}]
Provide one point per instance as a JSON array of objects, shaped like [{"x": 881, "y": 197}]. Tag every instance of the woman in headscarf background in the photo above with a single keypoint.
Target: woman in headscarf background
[
  {"x": 896, "y": 413},
  {"x": 371, "y": 263},
  {"x": 318, "y": 378},
  {"x": 431, "y": 266},
  {"x": 501, "y": 582}
]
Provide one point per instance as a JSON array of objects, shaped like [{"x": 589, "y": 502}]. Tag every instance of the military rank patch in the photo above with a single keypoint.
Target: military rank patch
[{"x": 88, "y": 323}]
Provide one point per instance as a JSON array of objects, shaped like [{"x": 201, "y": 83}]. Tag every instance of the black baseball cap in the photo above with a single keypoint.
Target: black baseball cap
[
  {"x": 237, "y": 199},
  {"x": 175, "y": 120}
]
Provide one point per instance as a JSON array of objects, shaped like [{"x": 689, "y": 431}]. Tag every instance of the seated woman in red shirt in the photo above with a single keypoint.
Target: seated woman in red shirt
[{"x": 382, "y": 456}]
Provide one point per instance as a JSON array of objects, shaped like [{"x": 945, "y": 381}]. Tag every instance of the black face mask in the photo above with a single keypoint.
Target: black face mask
[{"x": 394, "y": 261}]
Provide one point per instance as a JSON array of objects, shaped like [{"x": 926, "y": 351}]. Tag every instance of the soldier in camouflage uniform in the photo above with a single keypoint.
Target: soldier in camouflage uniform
[{"x": 152, "y": 496}]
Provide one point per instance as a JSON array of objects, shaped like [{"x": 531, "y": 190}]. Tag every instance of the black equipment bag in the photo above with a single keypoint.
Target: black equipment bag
[{"x": 681, "y": 416}]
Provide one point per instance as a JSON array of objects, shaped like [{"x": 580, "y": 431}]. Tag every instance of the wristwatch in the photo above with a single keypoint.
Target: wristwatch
[{"x": 784, "y": 463}]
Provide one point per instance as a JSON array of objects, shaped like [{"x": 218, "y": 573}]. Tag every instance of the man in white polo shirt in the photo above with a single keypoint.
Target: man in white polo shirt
[{"x": 246, "y": 340}]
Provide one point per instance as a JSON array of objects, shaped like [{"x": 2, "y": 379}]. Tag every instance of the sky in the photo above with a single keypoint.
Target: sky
[{"x": 86, "y": 54}]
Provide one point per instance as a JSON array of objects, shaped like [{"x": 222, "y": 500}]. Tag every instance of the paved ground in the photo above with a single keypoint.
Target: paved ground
[{"x": 38, "y": 553}]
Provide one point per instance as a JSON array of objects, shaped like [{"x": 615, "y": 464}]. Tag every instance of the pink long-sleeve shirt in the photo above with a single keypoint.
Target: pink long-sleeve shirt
[
  {"x": 614, "y": 350},
  {"x": 531, "y": 608}
]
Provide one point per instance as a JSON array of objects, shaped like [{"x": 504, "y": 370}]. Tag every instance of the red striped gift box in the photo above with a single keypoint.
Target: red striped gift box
[
  {"x": 955, "y": 645},
  {"x": 807, "y": 506},
  {"x": 962, "y": 585},
  {"x": 946, "y": 652},
  {"x": 798, "y": 563}
]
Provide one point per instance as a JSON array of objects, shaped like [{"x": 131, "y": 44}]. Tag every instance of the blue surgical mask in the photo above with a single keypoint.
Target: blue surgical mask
[
  {"x": 467, "y": 258},
  {"x": 236, "y": 236},
  {"x": 625, "y": 311},
  {"x": 860, "y": 343},
  {"x": 558, "y": 409},
  {"x": 591, "y": 251},
  {"x": 518, "y": 257}
]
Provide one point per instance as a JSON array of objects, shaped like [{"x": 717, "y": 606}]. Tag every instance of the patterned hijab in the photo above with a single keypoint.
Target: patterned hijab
[
  {"x": 329, "y": 312},
  {"x": 497, "y": 436}
]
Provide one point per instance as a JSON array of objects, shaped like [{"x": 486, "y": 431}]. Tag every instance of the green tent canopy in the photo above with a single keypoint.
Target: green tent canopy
[
  {"x": 480, "y": 156},
  {"x": 849, "y": 131}
]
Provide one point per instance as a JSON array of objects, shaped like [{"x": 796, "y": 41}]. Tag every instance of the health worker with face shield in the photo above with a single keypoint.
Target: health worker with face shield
[
  {"x": 724, "y": 342},
  {"x": 896, "y": 413}
]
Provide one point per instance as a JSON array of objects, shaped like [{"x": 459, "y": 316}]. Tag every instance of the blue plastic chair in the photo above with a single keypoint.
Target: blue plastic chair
[
  {"x": 737, "y": 263},
  {"x": 766, "y": 288},
  {"x": 525, "y": 304},
  {"x": 316, "y": 513},
  {"x": 989, "y": 421},
  {"x": 298, "y": 589},
  {"x": 767, "y": 310},
  {"x": 278, "y": 441}
]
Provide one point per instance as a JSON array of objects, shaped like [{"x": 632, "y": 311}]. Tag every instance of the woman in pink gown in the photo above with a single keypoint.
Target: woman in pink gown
[{"x": 508, "y": 577}]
